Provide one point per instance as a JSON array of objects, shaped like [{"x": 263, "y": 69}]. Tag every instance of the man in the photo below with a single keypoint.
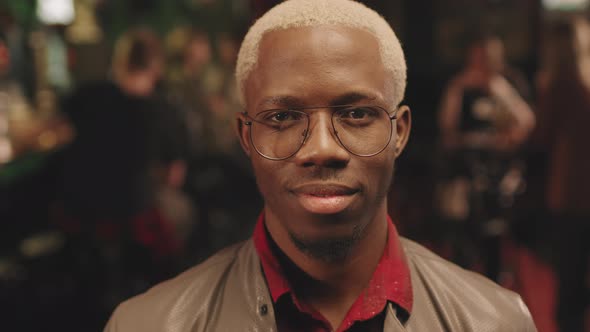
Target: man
[
  {"x": 128, "y": 155},
  {"x": 129, "y": 143},
  {"x": 321, "y": 82}
]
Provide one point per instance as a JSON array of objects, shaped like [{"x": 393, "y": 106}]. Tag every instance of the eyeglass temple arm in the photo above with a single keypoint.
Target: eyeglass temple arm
[
  {"x": 394, "y": 115},
  {"x": 248, "y": 122}
]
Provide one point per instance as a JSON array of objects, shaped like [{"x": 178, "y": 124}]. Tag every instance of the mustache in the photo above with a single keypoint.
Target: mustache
[{"x": 318, "y": 174}]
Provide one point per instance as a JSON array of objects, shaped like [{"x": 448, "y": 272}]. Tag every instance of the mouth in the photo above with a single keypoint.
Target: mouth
[{"x": 325, "y": 198}]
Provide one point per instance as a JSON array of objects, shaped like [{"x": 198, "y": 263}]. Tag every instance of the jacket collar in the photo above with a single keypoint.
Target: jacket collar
[
  {"x": 256, "y": 301},
  {"x": 390, "y": 281}
]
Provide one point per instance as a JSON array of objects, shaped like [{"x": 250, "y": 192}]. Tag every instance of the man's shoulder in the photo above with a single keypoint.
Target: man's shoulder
[
  {"x": 436, "y": 270},
  {"x": 448, "y": 287},
  {"x": 169, "y": 303},
  {"x": 427, "y": 261},
  {"x": 193, "y": 279}
]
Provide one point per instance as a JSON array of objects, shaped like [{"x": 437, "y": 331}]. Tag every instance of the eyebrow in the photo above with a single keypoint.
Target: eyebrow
[
  {"x": 280, "y": 102},
  {"x": 287, "y": 101},
  {"x": 352, "y": 98}
]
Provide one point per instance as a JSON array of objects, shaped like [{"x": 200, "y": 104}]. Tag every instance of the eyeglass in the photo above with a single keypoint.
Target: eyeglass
[{"x": 278, "y": 134}]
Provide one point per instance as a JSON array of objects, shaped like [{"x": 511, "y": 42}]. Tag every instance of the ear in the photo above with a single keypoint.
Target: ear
[
  {"x": 403, "y": 126},
  {"x": 242, "y": 130}
]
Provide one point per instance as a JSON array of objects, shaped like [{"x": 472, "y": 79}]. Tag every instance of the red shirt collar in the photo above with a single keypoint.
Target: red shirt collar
[{"x": 390, "y": 281}]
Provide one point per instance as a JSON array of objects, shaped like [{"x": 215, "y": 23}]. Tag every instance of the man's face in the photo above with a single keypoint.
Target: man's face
[
  {"x": 197, "y": 54},
  {"x": 323, "y": 193}
]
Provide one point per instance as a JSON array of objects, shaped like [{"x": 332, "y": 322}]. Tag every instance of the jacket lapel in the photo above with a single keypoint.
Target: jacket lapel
[
  {"x": 392, "y": 324},
  {"x": 247, "y": 305}
]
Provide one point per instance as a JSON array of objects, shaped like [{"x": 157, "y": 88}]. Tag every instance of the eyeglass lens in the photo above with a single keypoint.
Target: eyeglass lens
[{"x": 279, "y": 134}]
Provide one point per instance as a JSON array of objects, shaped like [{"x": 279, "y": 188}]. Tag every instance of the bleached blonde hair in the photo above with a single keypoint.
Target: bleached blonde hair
[{"x": 310, "y": 13}]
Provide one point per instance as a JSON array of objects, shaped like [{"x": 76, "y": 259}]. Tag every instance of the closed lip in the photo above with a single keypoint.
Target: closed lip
[{"x": 325, "y": 190}]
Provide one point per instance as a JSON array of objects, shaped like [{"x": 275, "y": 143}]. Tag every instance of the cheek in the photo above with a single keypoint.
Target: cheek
[
  {"x": 380, "y": 171},
  {"x": 267, "y": 176}
]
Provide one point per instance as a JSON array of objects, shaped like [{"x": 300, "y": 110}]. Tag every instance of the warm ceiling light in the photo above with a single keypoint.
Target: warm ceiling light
[
  {"x": 55, "y": 11},
  {"x": 565, "y": 4}
]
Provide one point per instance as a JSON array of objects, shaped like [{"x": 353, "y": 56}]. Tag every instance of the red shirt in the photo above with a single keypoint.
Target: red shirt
[{"x": 390, "y": 283}]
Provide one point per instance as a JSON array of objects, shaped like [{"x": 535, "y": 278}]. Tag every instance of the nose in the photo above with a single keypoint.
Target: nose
[{"x": 321, "y": 146}]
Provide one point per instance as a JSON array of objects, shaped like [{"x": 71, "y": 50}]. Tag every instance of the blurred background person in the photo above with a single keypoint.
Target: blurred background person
[
  {"x": 483, "y": 119},
  {"x": 13, "y": 102},
  {"x": 129, "y": 146},
  {"x": 201, "y": 84},
  {"x": 562, "y": 131},
  {"x": 48, "y": 40},
  {"x": 484, "y": 105},
  {"x": 203, "y": 88},
  {"x": 190, "y": 57},
  {"x": 224, "y": 98},
  {"x": 9, "y": 90}
]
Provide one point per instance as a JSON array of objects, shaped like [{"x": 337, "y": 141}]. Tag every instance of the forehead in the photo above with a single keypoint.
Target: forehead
[{"x": 316, "y": 65}]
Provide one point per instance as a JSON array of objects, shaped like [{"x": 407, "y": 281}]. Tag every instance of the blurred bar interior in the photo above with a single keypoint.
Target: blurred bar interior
[{"x": 119, "y": 166}]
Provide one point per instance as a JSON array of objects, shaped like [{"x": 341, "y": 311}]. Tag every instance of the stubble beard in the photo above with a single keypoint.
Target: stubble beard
[
  {"x": 337, "y": 249},
  {"x": 331, "y": 250}
]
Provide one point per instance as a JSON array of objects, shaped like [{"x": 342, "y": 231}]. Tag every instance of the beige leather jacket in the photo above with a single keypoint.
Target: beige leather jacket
[{"x": 228, "y": 293}]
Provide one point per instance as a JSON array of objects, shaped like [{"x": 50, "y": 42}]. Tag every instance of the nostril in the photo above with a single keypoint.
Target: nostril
[
  {"x": 332, "y": 164},
  {"x": 336, "y": 164},
  {"x": 308, "y": 164}
]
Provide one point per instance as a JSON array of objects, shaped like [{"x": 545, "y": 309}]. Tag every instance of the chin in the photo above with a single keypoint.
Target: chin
[
  {"x": 325, "y": 227},
  {"x": 328, "y": 246}
]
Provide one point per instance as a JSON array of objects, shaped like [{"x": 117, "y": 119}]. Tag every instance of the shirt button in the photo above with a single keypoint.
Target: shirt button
[{"x": 263, "y": 310}]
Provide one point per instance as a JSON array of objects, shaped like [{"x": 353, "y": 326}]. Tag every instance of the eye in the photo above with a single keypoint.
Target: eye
[
  {"x": 281, "y": 119},
  {"x": 282, "y": 116},
  {"x": 358, "y": 113}
]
